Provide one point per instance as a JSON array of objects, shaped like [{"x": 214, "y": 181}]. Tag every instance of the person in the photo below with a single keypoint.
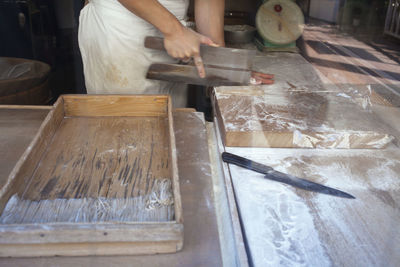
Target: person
[{"x": 111, "y": 40}]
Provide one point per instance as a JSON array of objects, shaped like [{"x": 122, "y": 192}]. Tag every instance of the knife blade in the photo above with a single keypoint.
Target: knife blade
[
  {"x": 223, "y": 66},
  {"x": 274, "y": 175},
  {"x": 188, "y": 74},
  {"x": 214, "y": 56}
]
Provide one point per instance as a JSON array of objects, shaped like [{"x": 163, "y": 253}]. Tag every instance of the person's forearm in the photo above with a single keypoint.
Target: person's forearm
[
  {"x": 209, "y": 16},
  {"x": 153, "y": 12},
  {"x": 180, "y": 42}
]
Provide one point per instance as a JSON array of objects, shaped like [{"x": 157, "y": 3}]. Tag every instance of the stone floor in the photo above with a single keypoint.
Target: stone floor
[{"x": 348, "y": 59}]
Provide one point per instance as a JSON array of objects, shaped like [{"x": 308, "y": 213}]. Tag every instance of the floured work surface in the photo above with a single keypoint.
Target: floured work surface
[
  {"x": 100, "y": 178},
  {"x": 285, "y": 115},
  {"x": 285, "y": 226}
]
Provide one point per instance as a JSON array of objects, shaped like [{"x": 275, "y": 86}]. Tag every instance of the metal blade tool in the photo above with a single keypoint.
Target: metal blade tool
[
  {"x": 223, "y": 66},
  {"x": 274, "y": 175}
]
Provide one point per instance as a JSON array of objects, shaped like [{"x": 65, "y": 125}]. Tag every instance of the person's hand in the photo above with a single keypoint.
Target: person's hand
[{"x": 185, "y": 44}]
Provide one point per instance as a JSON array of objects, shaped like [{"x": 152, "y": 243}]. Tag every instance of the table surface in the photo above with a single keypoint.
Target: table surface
[
  {"x": 291, "y": 227},
  {"x": 282, "y": 225},
  {"x": 201, "y": 237},
  {"x": 17, "y": 129}
]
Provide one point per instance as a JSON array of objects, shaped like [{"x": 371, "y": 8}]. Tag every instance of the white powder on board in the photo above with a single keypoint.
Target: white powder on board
[
  {"x": 278, "y": 225},
  {"x": 291, "y": 227}
]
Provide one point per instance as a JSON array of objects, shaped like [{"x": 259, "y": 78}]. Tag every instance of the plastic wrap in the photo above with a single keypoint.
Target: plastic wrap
[
  {"x": 16, "y": 71},
  {"x": 303, "y": 116},
  {"x": 20, "y": 75}
]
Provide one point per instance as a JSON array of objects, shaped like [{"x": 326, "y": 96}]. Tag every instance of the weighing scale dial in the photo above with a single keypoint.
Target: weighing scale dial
[{"x": 280, "y": 22}]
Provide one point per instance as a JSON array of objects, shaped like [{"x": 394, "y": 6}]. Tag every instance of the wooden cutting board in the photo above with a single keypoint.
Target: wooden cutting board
[{"x": 287, "y": 116}]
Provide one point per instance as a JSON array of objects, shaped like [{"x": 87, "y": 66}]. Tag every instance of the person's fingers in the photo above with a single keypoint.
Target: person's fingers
[
  {"x": 185, "y": 60},
  {"x": 198, "y": 62},
  {"x": 188, "y": 54},
  {"x": 181, "y": 55},
  {"x": 207, "y": 41}
]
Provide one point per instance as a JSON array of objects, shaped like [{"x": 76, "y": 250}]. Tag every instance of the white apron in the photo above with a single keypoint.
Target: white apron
[{"x": 111, "y": 40}]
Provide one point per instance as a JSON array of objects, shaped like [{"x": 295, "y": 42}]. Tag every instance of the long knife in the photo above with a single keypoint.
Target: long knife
[
  {"x": 216, "y": 56},
  {"x": 223, "y": 66},
  {"x": 274, "y": 175},
  {"x": 189, "y": 74}
]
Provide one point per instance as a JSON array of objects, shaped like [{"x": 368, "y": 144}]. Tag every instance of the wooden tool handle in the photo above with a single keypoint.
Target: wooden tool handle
[{"x": 154, "y": 43}]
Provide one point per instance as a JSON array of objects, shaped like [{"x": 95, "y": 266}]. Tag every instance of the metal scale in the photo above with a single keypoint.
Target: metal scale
[{"x": 279, "y": 24}]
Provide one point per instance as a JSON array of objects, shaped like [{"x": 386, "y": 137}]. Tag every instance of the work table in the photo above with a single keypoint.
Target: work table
[
  {"x": 280, "y": 225},
  {"x": 201, "y": 239},
  {"x": 284, "y": 226},
  {"x": 288, "y": 226}
]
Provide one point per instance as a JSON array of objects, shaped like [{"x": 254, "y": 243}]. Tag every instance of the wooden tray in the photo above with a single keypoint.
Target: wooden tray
[{"x": 100, "y": 151}]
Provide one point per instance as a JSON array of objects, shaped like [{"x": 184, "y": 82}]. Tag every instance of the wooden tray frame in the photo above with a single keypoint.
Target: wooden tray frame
[{"x": 81, "y": 239}]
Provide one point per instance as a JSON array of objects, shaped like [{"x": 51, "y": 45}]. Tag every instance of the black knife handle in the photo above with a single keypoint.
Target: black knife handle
[{"x": 246, "y": 163}]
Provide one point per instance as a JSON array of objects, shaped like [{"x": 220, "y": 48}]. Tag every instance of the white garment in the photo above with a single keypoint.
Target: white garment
[{"x": 111, "y": 41}]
